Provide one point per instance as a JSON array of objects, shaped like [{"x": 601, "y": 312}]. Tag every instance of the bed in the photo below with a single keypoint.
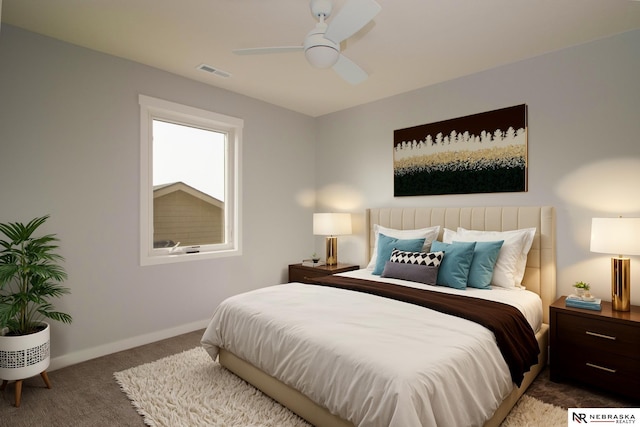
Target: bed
[{"x": 321, "y": 381}]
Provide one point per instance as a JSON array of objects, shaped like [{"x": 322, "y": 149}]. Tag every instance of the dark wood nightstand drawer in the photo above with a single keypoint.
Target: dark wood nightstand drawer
[
  {"x": 300, "y": 275},
  {"x": 304, "y": 274},
  {"x": 587, "y": 360},
  {"x": 598, "y": 368},
  {"x": 593, "y": 333}
]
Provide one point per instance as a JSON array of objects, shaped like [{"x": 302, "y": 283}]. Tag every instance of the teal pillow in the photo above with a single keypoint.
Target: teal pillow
[
  {"x": 484, "y": 260},
  {"x": 387, "y": 244},
  {"x": 455, "y": 266}
]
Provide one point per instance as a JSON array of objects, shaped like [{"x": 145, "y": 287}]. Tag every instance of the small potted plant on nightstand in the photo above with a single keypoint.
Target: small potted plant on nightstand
[
  {"x": 30, "y": 277},
  {"x": 582, "y": 289}
]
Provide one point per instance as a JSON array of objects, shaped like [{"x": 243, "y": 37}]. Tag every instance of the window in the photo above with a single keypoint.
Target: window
[{"x": 189, "y": 183}]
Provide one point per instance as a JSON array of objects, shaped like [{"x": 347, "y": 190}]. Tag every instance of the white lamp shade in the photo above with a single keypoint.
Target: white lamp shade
[
  {"x": 615, "y": 236},
  {"x": 331, "y": 224}
]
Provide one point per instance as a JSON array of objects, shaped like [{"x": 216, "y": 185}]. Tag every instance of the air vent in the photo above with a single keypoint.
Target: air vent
[{"x": 212, "y": 70}]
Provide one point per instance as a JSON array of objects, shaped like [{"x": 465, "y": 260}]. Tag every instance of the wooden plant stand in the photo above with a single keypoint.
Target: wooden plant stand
[{"x": 44, "y": 376}]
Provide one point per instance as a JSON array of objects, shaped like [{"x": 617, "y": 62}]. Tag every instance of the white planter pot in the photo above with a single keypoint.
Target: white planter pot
[{"x": 24, "y": 356}]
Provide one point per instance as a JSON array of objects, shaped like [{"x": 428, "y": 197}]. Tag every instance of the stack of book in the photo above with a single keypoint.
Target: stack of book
[{"x": 589, "y": 303}]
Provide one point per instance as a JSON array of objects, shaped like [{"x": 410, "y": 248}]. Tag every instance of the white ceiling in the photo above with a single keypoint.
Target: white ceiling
[{"x": 409, "y": 44}]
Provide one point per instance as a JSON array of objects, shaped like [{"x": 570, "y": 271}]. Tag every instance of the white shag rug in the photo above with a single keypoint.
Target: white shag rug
[
  {"x": 531, "y": 412},
  {"x": 190, "y": 389}
]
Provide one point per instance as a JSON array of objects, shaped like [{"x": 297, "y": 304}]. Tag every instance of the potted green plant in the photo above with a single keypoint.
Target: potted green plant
[
  {"x": 582, "y": 289},
  {"x": 30, "y": 276}
]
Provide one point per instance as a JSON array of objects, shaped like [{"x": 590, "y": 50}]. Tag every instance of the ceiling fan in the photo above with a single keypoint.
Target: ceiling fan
[{"x": 322, "y": 44}]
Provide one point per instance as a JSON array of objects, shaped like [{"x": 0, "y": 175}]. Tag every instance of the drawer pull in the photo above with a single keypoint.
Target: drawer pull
[
  {"x": 602, "y": 368},
  {"x": 595, "y": 334}
]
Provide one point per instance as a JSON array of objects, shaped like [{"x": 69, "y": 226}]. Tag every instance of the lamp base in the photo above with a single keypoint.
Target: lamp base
[
  {"x": 331, "y": 250},
  {"x": 621, "y": 284}
]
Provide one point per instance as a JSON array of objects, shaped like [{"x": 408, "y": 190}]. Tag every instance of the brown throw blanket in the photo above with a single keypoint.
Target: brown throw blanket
[{"x": 514, "y": 336}]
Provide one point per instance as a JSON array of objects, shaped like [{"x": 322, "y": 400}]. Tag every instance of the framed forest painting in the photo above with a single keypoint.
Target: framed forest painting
[{"x": 480, "y": 153}]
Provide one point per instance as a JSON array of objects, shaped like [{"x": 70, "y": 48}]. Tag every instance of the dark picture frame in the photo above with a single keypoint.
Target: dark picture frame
[{"x": 480, "y": 153}]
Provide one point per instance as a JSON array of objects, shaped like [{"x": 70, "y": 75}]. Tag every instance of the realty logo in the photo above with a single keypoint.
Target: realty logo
[{"x": 579, "y": 417}]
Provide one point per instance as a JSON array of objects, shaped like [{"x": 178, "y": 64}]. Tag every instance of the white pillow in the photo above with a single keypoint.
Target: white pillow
[
  {"x": 448, "y": 235},
  {"x": 512, "y": 259},
  {"x": 430, "y": 234}
]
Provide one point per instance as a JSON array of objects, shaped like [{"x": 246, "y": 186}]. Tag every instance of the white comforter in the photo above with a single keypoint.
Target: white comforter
[{"x": 370, "y": 360}]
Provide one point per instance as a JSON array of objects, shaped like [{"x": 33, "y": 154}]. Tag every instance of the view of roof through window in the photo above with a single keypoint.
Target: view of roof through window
[{"x": 189, "y": 155}]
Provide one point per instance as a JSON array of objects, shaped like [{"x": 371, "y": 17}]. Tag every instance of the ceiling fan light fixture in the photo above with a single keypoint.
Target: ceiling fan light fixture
[
  {"x": 321, "y": 45},
  {"x": 322, "y": 56}
]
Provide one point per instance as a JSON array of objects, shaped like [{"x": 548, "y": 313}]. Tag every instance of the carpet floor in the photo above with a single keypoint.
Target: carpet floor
[
  {"x": 87, "y": 395},
  {"x": 188, "y": 389}
]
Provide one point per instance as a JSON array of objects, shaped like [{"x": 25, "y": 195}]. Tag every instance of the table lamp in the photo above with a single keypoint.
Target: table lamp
[
  {"x": 617, "y": 236},
  {"x": 331, "y": 225}
]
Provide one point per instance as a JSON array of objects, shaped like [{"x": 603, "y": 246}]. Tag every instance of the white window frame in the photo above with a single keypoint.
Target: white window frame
[{"x": 159, "y": 109}]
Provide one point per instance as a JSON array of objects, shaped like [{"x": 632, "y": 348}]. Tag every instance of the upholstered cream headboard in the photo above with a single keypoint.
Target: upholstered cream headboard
[{"x": 540, "y": 273}]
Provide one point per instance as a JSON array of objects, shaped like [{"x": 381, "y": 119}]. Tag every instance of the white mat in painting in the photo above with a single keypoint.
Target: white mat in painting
[{"x": 189, "y": 389}]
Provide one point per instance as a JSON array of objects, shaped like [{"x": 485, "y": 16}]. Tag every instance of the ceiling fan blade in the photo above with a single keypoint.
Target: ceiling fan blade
[
  {"x": 263, "y": 50},
  {"x": 349, "y": 70},
  {"x": 354, "y": 15}
]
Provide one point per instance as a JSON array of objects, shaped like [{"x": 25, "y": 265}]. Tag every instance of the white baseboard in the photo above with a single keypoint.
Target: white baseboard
[{"x": 105, "y": 349}]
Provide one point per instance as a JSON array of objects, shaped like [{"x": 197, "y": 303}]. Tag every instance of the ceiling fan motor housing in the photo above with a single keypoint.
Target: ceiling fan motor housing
[{"x": 321, "y": 8}]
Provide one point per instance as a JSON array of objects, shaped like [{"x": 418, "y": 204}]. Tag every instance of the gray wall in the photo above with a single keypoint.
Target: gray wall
[
  {"x": 69, "y": 147},
  {"x": 583, "y": 147}
]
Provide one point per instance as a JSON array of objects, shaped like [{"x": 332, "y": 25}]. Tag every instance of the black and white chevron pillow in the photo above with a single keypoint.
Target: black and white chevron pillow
[{"x": 430, "y": 259}]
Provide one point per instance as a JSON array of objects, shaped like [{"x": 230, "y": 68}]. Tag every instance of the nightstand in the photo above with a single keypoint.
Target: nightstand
[
  {"x": 599, "y": 348},
  {"x": 302, "y": 273}
]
